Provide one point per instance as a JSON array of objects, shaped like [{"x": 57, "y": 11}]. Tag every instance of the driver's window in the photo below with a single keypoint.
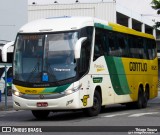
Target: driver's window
[
  {"x": 98, "y": 47},
  {"x": 85, "y": 55}
]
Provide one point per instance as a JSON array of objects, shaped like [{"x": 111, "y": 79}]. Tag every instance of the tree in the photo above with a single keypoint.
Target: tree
[{"x": 156, "y": 6}]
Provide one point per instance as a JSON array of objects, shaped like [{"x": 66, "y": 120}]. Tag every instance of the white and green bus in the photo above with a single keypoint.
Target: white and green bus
[{"x": 70, "y": 63}]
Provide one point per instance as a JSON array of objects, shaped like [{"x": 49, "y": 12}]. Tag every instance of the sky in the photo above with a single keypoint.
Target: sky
[{"x": 140, "y": 6}]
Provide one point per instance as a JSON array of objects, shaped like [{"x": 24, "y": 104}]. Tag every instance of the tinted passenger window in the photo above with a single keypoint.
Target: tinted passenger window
[
  {"x": 113, "y": 46},
  {"x": 118, "y": 44},
  {"x": 123, "y": 45},
  {"x": 151, "y": 45}
]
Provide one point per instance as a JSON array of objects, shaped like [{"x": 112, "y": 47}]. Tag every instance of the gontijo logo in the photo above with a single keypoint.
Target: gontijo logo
[{"x": 138, "y": 66}]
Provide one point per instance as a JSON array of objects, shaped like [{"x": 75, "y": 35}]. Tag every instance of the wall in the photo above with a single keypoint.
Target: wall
[{"x": 105, "y": 10}]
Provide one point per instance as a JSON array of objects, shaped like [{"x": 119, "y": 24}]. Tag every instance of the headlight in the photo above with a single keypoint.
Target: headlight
[
  {"x": 67, "y": 92},
  {"x": 17, "y": 93},
  {"x": 70, "y": 91}
]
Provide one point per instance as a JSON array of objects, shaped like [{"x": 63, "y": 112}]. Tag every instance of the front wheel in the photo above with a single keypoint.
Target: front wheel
[
  {"x": 40, "y": 114},
  {"x": 96, "y": 108}
]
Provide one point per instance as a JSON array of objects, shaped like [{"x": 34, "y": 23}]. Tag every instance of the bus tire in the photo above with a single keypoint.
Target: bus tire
[
  {"x": 96, "y": 108},
  {"x": 40, "y": 114},
  {"x": 139, "y": 103},
  {"x": 145, "y": 99}
]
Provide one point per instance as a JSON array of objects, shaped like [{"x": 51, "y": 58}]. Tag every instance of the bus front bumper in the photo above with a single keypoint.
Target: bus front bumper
[{"x": 67, "y": 102}]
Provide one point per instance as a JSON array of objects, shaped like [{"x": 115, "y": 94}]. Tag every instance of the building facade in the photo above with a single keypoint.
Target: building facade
[{"x": 110, "y": 11}]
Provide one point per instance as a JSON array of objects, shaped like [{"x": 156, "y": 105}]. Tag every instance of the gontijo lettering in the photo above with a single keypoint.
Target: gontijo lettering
[{"x": 138, "y": 66}]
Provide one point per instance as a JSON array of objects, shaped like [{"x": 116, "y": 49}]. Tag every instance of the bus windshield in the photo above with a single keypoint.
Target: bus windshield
[{"x": 41, "y": 58}]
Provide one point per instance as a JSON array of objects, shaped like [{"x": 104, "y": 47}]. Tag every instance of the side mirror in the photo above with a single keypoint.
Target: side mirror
[
  {"x": 4, "y": 50},
  {"x": 77, "y": 49}
]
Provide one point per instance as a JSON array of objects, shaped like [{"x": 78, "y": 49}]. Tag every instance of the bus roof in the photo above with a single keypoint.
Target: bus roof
[
  {"x": 68, "y": 23},
  {"x": 53, "y": 24},
  {"x": 123, "y": 29}
]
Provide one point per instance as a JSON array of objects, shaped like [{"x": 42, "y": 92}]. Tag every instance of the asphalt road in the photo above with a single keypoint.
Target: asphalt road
[{"x": 115, "y": 119}]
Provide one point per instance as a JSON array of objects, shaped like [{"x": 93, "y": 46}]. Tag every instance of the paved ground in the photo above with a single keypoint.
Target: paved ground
[
  {"x": 112, "y": 117},
  {"x": 9, "y": 105}
]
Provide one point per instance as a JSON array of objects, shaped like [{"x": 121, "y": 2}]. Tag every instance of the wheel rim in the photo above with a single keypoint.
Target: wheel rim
[{"x": 95, "y": 104}]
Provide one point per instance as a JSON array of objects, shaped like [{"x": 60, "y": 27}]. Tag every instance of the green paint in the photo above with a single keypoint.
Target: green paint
[
  {"x": 50, "y": 90},
  {"x": 56, "y": 89},
  {"x": 117, "y": 75},
  {"x": 99, "y": 25},
  {"x": 97, "y": 80}
]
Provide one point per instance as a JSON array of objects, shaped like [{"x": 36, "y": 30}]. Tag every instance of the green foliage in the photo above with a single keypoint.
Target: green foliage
[
  {"x": 157, "y": 25},
  {"x": 156, "y": 6}
]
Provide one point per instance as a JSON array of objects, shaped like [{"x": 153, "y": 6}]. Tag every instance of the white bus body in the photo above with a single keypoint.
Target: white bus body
[{"x": 63, "y": 63}]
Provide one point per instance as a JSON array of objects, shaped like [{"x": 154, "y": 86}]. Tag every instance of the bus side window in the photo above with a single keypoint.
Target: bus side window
[
  {"x": 145, "y": 49},
  {"x": 98, "y": 48},
  {"x": 97, "y": 51},
  {"x": 111, "y": 44},
  {"x": 113, "y": 49},
  {"x": 84, "y": 59},
  {"x": 140, "y": 48},
  {"x": 133, "y": 47},
  {"x": 154, "y": 51},
  {"x": 122, "y": 44},
  {"x": 151, "y": 49}
]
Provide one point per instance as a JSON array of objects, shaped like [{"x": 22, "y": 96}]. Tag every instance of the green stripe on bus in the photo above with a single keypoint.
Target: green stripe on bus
[
  {"x": 56, "y": 89},
  {"x": 99, "y": 25},
  {"x": 117, "y": 75}
]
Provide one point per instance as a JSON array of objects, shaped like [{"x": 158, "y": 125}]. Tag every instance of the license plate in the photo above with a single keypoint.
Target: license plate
[{"x": 42, "y": 104}]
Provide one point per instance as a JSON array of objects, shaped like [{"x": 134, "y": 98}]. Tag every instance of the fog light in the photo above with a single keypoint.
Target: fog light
[{"x": 17, "y": 103}]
